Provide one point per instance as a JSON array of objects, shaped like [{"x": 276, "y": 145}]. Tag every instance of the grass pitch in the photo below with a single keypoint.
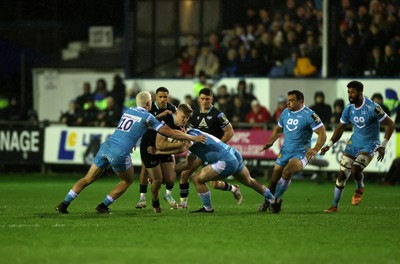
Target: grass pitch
[{"x": 31, "y": 231}]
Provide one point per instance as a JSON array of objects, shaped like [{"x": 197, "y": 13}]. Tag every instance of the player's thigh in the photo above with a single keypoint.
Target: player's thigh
[
  {"x": 206, "y": 174},
  {"x": 294, "y": 166},
  {"x": 155, "y": 173},
  {"x": 243, "y": 176}
]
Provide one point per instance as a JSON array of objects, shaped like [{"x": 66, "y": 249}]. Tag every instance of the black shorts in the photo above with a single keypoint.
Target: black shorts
[{"x": 151, "y": 161}]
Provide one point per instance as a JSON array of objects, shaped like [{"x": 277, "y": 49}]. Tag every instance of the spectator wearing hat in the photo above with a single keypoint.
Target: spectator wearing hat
[
  {"x": 323, "y": 110},
  {"x": 258, "y": 114}
]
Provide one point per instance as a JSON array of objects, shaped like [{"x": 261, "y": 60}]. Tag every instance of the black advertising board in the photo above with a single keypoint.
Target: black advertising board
[{"x": 21, "y": 145}]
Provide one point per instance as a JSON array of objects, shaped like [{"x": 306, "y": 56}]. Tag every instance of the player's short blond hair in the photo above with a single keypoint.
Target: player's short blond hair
[
  {"x": 186, "y": 109},
  {"x": 142, "y": 98}
]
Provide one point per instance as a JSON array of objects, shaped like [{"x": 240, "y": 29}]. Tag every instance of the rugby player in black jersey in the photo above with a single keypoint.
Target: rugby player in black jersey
[{"x": 160, "y": 109}]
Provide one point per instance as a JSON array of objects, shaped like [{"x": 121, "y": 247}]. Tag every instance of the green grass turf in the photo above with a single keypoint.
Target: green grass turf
[{"x": 32, "y": 232}]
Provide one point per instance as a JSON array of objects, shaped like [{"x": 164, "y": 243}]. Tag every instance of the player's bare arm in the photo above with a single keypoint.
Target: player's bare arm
[
  {"x": 166, "y": 130},
  {"x": 388, "y": 123},
  {"x": 228, "y": 133},
  {"x": 164, "y": 143},
  {"x": 164, "y": 113},
  {"x": 337, "y": 134},
  {"x": 320, "y": 142},
  {"x": 276, "y": 133}
]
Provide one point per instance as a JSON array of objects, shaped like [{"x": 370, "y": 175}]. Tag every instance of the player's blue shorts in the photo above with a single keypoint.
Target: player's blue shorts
[
  {"x": 354, "y": 151},
  {"x": 231, "y": 163},
  {"x": 107, "y": 155},
  {"x": 284, "y": 156}
]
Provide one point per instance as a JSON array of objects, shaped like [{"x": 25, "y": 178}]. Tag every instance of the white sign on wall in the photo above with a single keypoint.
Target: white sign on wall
[
  {"x": 101, "y": 37},
  {"x": 67, "y": 145}
]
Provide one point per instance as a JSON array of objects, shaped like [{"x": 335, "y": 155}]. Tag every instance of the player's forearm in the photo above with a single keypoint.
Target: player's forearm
[
  {"x": 320, "y": 141},
  {"x": 227, "y": 136},
  {"x": 337, "y": 134},
  {"x": 276, "y": 133},
  {"x": 165, "y": 145},
  {"x": 175, "y": 133},
  {"x": 389, "y": 129},
  {"x": 168, "y": 152}
]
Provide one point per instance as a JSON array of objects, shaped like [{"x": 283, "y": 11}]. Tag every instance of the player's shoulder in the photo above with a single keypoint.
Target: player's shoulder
[
  {"x": 285, "y": 112},
  {"x": 215, "y": 111},
  {"x": 171, "y": 107},
  {"x": 194, "y": 131},
  {"x": 307, "y": 111},
  {"x": 348, "y": 107},
  {"x": 369, "y": 103}
]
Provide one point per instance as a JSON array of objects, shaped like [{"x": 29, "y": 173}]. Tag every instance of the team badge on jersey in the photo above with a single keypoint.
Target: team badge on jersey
[
  {"x": 203, "y": 124},
  {"x": 378, "y": 110},
  {"x": 316, "y": 118}
]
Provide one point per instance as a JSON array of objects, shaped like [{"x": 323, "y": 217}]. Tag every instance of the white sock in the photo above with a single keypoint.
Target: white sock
[
  {"x": 72, "y": 193},
  {"x": 234, "y": 188}
]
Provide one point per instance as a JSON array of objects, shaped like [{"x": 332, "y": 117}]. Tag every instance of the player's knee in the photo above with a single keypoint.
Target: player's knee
[
  {"x": 185, "y": 176},
  {"x": 345, "y": 166},
  {"x": 129, "y": 180},
  {"x": 214, "y": 184},
  {"x": 360, "y": 163},
  {"x": 198, "y": 180},
  {"x": 341, "y": 180}
]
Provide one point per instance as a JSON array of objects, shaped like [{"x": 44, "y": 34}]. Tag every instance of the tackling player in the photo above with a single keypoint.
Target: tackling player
[
  {"x": 208, "y": 119},
  {"x": 366, "y": 117},
  {"x": 223, "y": 161},
  {"x": 115, "y": 152}
]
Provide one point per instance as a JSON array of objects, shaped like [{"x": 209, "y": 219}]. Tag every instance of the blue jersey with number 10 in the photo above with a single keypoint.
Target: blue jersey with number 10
[
  {"x": 298, "y": 127},
  {"x": 366, "y": 121},
  {"x": 131, "y": 127}
]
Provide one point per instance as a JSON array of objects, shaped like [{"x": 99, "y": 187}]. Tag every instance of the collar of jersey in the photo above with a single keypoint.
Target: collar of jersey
[
  {"x": 155, "y": 103},
  {"x": 207, "y": 111},
  {"x": 298, "y": 110},
  {"x": 360, "y": 105}
]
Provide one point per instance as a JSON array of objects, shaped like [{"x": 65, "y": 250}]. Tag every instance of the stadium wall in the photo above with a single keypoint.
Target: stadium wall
[
  {"x": 64, "y": 145},
  {"x": 54, "y": 88}
]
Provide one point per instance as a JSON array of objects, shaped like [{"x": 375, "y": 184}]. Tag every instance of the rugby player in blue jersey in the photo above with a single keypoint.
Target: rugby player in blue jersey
[
  {"x": 115, "y": 151},
  {"x": 298, "y": 123},
  {"x": 366, "y": 117},
  {"x": 222, "y": 160}
]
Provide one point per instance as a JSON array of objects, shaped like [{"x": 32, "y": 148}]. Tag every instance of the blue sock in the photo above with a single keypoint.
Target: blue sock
[
  {"x": 360, "y": 184},
  {"x": 336, "y": 196},
  {"x": 268, "y": 196},
  {"x": 281, "y": 187},
  {"x": 70, "y": 197},
  {"x": 108, "y": 200},
  {"x": 206, "y": 200}
]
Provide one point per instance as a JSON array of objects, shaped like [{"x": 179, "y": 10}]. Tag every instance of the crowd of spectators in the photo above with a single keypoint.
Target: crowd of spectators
[
  {"x": 100, "y": 108},
  {"x": 287, "y": 42}
]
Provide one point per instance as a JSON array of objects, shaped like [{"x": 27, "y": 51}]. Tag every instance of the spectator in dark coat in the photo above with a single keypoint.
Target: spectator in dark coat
[{"x": 323, "y": 110}]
